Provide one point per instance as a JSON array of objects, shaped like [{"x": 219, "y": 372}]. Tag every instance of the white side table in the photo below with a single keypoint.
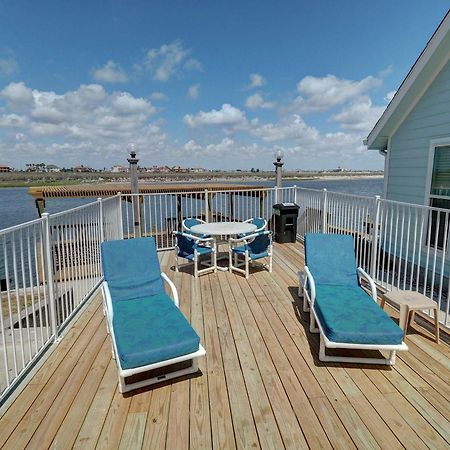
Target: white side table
[{"x": 409, "y": 302}]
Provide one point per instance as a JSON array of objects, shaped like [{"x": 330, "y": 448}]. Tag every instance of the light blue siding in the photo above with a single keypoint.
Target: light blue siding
[{"x": 409, "y": 150}]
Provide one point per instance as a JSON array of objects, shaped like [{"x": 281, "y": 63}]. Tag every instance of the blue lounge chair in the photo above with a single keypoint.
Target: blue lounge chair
[
  {"x": 346, "y": 316},
  {"x": 248, "y": 248},
  {"x": 148, "y": 331}
]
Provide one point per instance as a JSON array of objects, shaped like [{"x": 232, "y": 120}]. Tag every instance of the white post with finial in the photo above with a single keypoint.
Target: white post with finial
[{"x": 134, "y": 190}]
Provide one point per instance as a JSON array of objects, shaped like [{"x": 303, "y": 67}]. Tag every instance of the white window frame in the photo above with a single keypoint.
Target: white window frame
[{"x": 434, "y": 143}]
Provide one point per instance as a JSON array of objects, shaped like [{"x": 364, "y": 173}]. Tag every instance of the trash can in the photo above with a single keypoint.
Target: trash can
[{"x": 285, "y": 218}]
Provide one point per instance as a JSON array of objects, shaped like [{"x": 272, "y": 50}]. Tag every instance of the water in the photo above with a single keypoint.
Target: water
[{"x": 17, "y": 206}]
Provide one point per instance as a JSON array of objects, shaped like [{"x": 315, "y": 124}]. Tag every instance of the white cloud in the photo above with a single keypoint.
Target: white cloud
[
  {"x": 169, "y": 59},
  {"x": 158, "y": 96},
  {"x": 256, "y": 101},
  {"x": 193, "y": 64},
  {"x": 8, "y": 66},
  {"x": 88, "y": 125},
  {"x": 360, "y": 115},
  {"x": 17, "y": 95},
  {"x": 256, "y": 80},
  {"x": 111, "y": 72},
  {"x": 227, "y": 116},
  {"x": 291, "y": 128},
  {"x": 323, "y": 93},
  {"x": 193, "y": 91}
]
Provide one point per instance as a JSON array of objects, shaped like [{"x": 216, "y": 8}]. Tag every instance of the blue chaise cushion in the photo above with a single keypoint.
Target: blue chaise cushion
[
  {"x": 131, "y": 268},
  {"x": 151, "y": 329},
  {"x": 349, "y": 315},
  {"x": 331, "y": 258}
]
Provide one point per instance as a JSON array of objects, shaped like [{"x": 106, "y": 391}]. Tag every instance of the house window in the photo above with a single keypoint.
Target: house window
[{"x": 440, "y": 196}]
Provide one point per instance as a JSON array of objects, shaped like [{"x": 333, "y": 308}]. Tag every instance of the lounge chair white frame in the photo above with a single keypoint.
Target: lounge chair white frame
[
  {"x": 236, "y": 265},
  {"x": 308, "y": 305},
  {"x": 197, "y": 240},
  {"x": 124, "y": 373}
]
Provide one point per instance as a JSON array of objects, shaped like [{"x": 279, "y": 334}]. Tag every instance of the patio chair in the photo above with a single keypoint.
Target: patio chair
[
  {"x": 148, "y": 332},
  {"x": 249, "y": 248},
  {"x": 193, "y": 248},
  {"x": 346, "y": 315},
  {"x": 188, "y": 223},
  {"x": 260, "y": 222}
]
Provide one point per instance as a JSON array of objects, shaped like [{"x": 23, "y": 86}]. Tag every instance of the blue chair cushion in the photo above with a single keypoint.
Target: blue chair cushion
[
  {"x": 241, "y": 250},
  {"x": 151, "y": 329},
  {"x": 331, "y": 258},
  {"x": 131, "y": 268},
  {"x": 201, "y": 249},
  {"x": 349, "y": 315}
]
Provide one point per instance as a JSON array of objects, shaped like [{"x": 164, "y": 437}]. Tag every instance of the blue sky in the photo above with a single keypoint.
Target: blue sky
[{"x": 203, "y": 83}]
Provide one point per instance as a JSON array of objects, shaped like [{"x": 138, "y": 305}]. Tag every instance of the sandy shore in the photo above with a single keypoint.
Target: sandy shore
[{"x": 26, "y": 179}]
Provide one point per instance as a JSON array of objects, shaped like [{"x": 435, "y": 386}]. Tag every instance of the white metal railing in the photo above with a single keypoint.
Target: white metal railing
[
  {"x": 401, "y": 245},
  {"x": 49, "y": 267},
  {"x": 160, "y": 214}
]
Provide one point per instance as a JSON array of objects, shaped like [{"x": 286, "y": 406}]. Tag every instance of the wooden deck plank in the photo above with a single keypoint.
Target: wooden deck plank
[
  {"x": 200, "y": 422},
  {"x": 12, "y": 416},
  {"x": 112, "y": 429},
  {"x": 92, "y": 425},
  {"x": 282, "y": 409},
  {"x": 244, "y": 427},
  {"x": 71, "y": 425},
  {"x": 71, "y": 369},
  {"x": 221, "y": 423},
  {"x": 266, "y": 425},
  {"x": 260, "y": 385}
]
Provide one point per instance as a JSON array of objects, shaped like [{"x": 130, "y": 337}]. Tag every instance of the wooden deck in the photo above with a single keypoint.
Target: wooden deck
[{"x": 261, "y": 384}]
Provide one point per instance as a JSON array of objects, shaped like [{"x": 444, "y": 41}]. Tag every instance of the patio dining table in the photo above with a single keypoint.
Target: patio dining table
[{"x": 224, "y": 229}]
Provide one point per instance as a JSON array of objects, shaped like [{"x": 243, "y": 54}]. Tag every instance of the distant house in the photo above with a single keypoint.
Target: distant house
[
  {"x": 414, "y": 131},
  {"x": 82, "y": 169},
  {"x": 119, "y": 169},
  {"x": 53, "y": 168},
  {"x": 5, "y": 169}
]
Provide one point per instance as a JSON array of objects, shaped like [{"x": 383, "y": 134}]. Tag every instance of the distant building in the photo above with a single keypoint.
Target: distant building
[
  {"x": 119, "y": 169},
  {"x": 5, "y": 169},
  {"x": 53, "y": 168},
  {"x": 82, "y": 168}
]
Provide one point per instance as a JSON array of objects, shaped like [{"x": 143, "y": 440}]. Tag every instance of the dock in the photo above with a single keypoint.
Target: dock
[{"x": 260, "y": 385}]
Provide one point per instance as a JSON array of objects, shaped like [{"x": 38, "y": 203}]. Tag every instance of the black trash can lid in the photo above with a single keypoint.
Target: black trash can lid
[{"x": 286, "y": 206}]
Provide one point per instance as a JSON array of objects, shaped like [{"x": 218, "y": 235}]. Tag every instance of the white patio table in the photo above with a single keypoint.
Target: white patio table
[{"x": 223, "y": 229}]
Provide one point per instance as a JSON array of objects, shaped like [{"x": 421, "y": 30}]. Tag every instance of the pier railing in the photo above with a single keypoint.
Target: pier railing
[{"x": 49, "y": 268}]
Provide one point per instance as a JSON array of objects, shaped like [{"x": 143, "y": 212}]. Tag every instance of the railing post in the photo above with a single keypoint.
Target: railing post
[
  {"x": 376, "y": 224},
  {"x": 206, "y": 206},
  {"x": 295, "y": 193},
  {"x": 100, "y": 213},
  {"x": 324, "y": 211},
  {"x": 119, "y": 217},
  {"x": 49, "y": 274}
]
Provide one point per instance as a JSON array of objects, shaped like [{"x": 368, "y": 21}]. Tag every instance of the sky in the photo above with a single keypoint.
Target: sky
[{"x": 197, "y": 83}]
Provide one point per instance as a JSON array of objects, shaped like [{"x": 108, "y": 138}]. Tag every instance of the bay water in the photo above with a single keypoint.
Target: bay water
[{"x": 17, "y": 206}]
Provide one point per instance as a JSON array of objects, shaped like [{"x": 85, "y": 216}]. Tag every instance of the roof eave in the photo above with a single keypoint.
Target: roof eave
[{"x": 378, "y": 136}]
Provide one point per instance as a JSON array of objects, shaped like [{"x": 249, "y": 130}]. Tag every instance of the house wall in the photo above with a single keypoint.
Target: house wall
[{"x": 410, "y": 144}]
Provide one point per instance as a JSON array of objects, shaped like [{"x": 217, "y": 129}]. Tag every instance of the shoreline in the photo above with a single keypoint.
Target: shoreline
[{"x": 34, "y": 180}]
